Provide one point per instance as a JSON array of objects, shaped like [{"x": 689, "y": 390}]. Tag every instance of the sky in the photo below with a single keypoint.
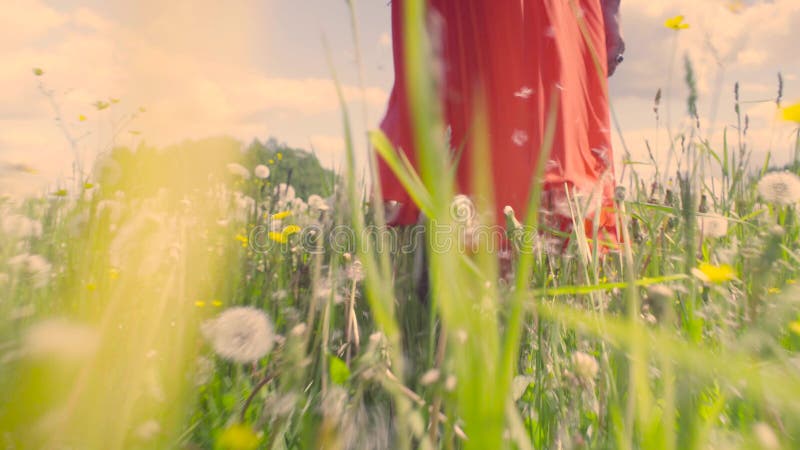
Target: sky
[{"x": 189, "y": 69}]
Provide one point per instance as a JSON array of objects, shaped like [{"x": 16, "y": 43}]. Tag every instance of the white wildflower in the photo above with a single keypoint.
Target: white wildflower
[
  {"x": 355, "y": 271},
  {"x": 780, "y": 188},
  {"x": 261, "y": 171},
  {"x": 60, "y": 338},
  {"x": 317, "y": 202},
  {"x": 284, "y": 192},
  {"x": 298, "y": 205},
  {"x": 712, "y": 225},
  {"x": 35, "y": 266},
  {"x": 20, "y": 227},
  {"x": 240, "y": 334},
  {"x": 238, "y": 169},
  {"x": 585, "y": 367}
]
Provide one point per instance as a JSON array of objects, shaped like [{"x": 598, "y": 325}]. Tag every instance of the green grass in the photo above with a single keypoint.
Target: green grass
[{"x": 578, "y": 349}]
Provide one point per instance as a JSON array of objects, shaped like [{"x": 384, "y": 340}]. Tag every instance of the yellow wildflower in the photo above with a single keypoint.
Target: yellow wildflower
[
  {"x": 791, "y": 113},
  {"x": 91, "y": 287},
  {"x": 676, "y": 23},
  {"x": 199, "y": 303},
  {"x": 281, "y": 215},
  {"x": 242, "y": 238},
  {"x": 795, "y": 327},
  {"x": 216, "y": 303},
  {"x": 291, "y": 229},
  {"x": 791, "y": 281},
  {"x": 271, "y": 161},
  {"x": 60, "y": 193},
  {"x": 714, "y": 274},
  {"x": 279, "y": 156},
  {"x": 277, "y": 237},
  {"x": 113, "y": 273},
  {"x": 237, "y": 437},
  {"x": 774, "y": 290}
]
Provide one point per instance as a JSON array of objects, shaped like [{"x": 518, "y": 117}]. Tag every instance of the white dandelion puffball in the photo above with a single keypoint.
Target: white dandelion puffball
[
  {"x": 241, "y": 334},
  {"x": 20, "y": 226},
  {"x": 60, "y": 338},
  {"x": 238, "y": 169},
  {"x": 34, "y": 266},
  {"x": 284, "y": 192},
  {"x": 712, "y": 225},
  {"x": 261, "y": 171},
  {"x": 317, "y": 202},
  {"x": 780, "y": 188}
]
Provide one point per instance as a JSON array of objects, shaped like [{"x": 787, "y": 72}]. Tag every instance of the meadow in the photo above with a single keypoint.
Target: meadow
[{"x": 225, "y": 304}]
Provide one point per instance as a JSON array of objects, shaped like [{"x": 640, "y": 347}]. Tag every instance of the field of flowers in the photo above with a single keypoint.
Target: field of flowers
[{"x": 240, "y": 315}]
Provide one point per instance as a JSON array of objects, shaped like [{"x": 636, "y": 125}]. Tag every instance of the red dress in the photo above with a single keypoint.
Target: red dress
[{"x": 518, "y": 52}]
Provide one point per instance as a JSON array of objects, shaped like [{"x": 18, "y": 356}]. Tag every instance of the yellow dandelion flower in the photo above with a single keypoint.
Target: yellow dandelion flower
[
  {"x": 279, "y": 156},
  {"x": 714, "y": 274},
  {"x": 290, "y": 230},
  {"x": 791, "y": 282},
  {"x": 774, "y": 290},
  {"x": 795, "y": 327},
  {"x": 237, "y": 437},
  {"x": 278, "y": 237},
  {"x": 242, "y": 238},
  {"x": 113, "y": 273},
  {"x": 200, "y": 303},
  {"x": 281, "y": 215},
  {"x": 271, "y": 161},
  {"x": 82, "y": 118},
  {"x": 676, "y": 23},
  {"x": 91, "y": 287},
  {"x": 791, "y": 113},
  {"x": 216, "y": 303}
]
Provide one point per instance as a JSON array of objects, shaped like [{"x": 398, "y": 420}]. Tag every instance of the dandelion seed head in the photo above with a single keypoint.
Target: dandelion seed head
[
  {"x": 524, "y": 92},
  {"x": 241, "y": 334},
  {"x": 261, "y": 172},
  {"x": 519, "y": 137},
  {"x": 60, "y": 338},
  {"x": 238, "y": 170},
  {"x": 36, "y": 267},
  {"x": 317, "y": 202},
  {"x": 780, "y": 188},
  {"x": 712, "y": 225},
  {"x": 20, "y": 227},
  {"x": 355, "y": 271}
]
